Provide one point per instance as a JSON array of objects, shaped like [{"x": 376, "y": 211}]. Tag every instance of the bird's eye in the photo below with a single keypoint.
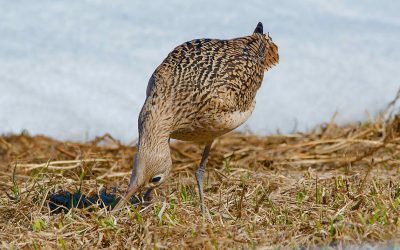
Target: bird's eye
[{"x": 156, "y": 179}]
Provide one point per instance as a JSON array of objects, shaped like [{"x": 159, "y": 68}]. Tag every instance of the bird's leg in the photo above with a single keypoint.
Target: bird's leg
[{"x": 200, "y": 173}]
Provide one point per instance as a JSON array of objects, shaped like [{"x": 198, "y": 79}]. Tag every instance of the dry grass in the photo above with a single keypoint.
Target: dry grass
[{"x": 335, "y": 186}]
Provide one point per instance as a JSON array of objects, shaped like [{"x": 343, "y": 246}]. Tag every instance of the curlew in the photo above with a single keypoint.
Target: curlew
[{"x": 202, "y": 90}]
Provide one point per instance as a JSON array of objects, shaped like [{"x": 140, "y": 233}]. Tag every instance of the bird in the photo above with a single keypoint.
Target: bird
[{"x": 203, "y": 89}]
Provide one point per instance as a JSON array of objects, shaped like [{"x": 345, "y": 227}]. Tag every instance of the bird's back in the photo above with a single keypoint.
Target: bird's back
[{"x": 208, "y": 86}]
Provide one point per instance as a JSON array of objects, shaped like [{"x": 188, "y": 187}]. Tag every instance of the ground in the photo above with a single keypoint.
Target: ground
[{"x": 334, "y": 187}]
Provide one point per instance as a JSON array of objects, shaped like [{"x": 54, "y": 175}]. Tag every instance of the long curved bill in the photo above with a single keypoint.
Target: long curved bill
[
  {"x": 128, "y": 194},
  {"x": 133, "y": 187}
]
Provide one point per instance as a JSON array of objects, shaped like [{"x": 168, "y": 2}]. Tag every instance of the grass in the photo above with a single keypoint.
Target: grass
[{"x": 332, "y": 187}]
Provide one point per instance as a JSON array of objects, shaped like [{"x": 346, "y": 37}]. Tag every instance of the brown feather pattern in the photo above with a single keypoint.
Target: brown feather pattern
[
  {"x": 202, "y": 83},
  {"x": 203, "y": 89}
]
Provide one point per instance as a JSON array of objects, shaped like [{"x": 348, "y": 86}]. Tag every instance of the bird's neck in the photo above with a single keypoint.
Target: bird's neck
[{"x": 154, "y": 132}]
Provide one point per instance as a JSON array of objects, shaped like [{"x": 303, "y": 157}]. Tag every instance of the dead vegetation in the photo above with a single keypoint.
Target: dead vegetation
[{"x": 334, "y": 186}]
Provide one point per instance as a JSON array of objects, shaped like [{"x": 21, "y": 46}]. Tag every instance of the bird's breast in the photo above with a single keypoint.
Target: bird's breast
[{"x": 207, "y": 126}]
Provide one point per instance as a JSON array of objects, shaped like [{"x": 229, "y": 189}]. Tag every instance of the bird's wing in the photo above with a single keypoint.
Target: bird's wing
[
  {"x": 150, "y": 85},
  {"x": 211, "y": 73},
  {"x": 195, "y": 64}
]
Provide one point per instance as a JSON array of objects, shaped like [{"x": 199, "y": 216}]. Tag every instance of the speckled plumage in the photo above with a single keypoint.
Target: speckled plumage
[
  {"x": 202, "y": 90},
  {"x": 207, "y": 87}
]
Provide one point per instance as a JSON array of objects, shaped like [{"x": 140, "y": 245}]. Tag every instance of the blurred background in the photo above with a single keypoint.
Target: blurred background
[{"x": 78, "y": 69}]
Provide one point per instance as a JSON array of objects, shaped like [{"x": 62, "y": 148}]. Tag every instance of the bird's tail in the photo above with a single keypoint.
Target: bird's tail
[
  {"x": 272, "y": 55},
  {"x": 267, "y": 48}
]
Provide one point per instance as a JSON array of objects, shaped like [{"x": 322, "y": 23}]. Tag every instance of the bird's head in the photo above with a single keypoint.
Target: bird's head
[{"x": 150, "y": 169}]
